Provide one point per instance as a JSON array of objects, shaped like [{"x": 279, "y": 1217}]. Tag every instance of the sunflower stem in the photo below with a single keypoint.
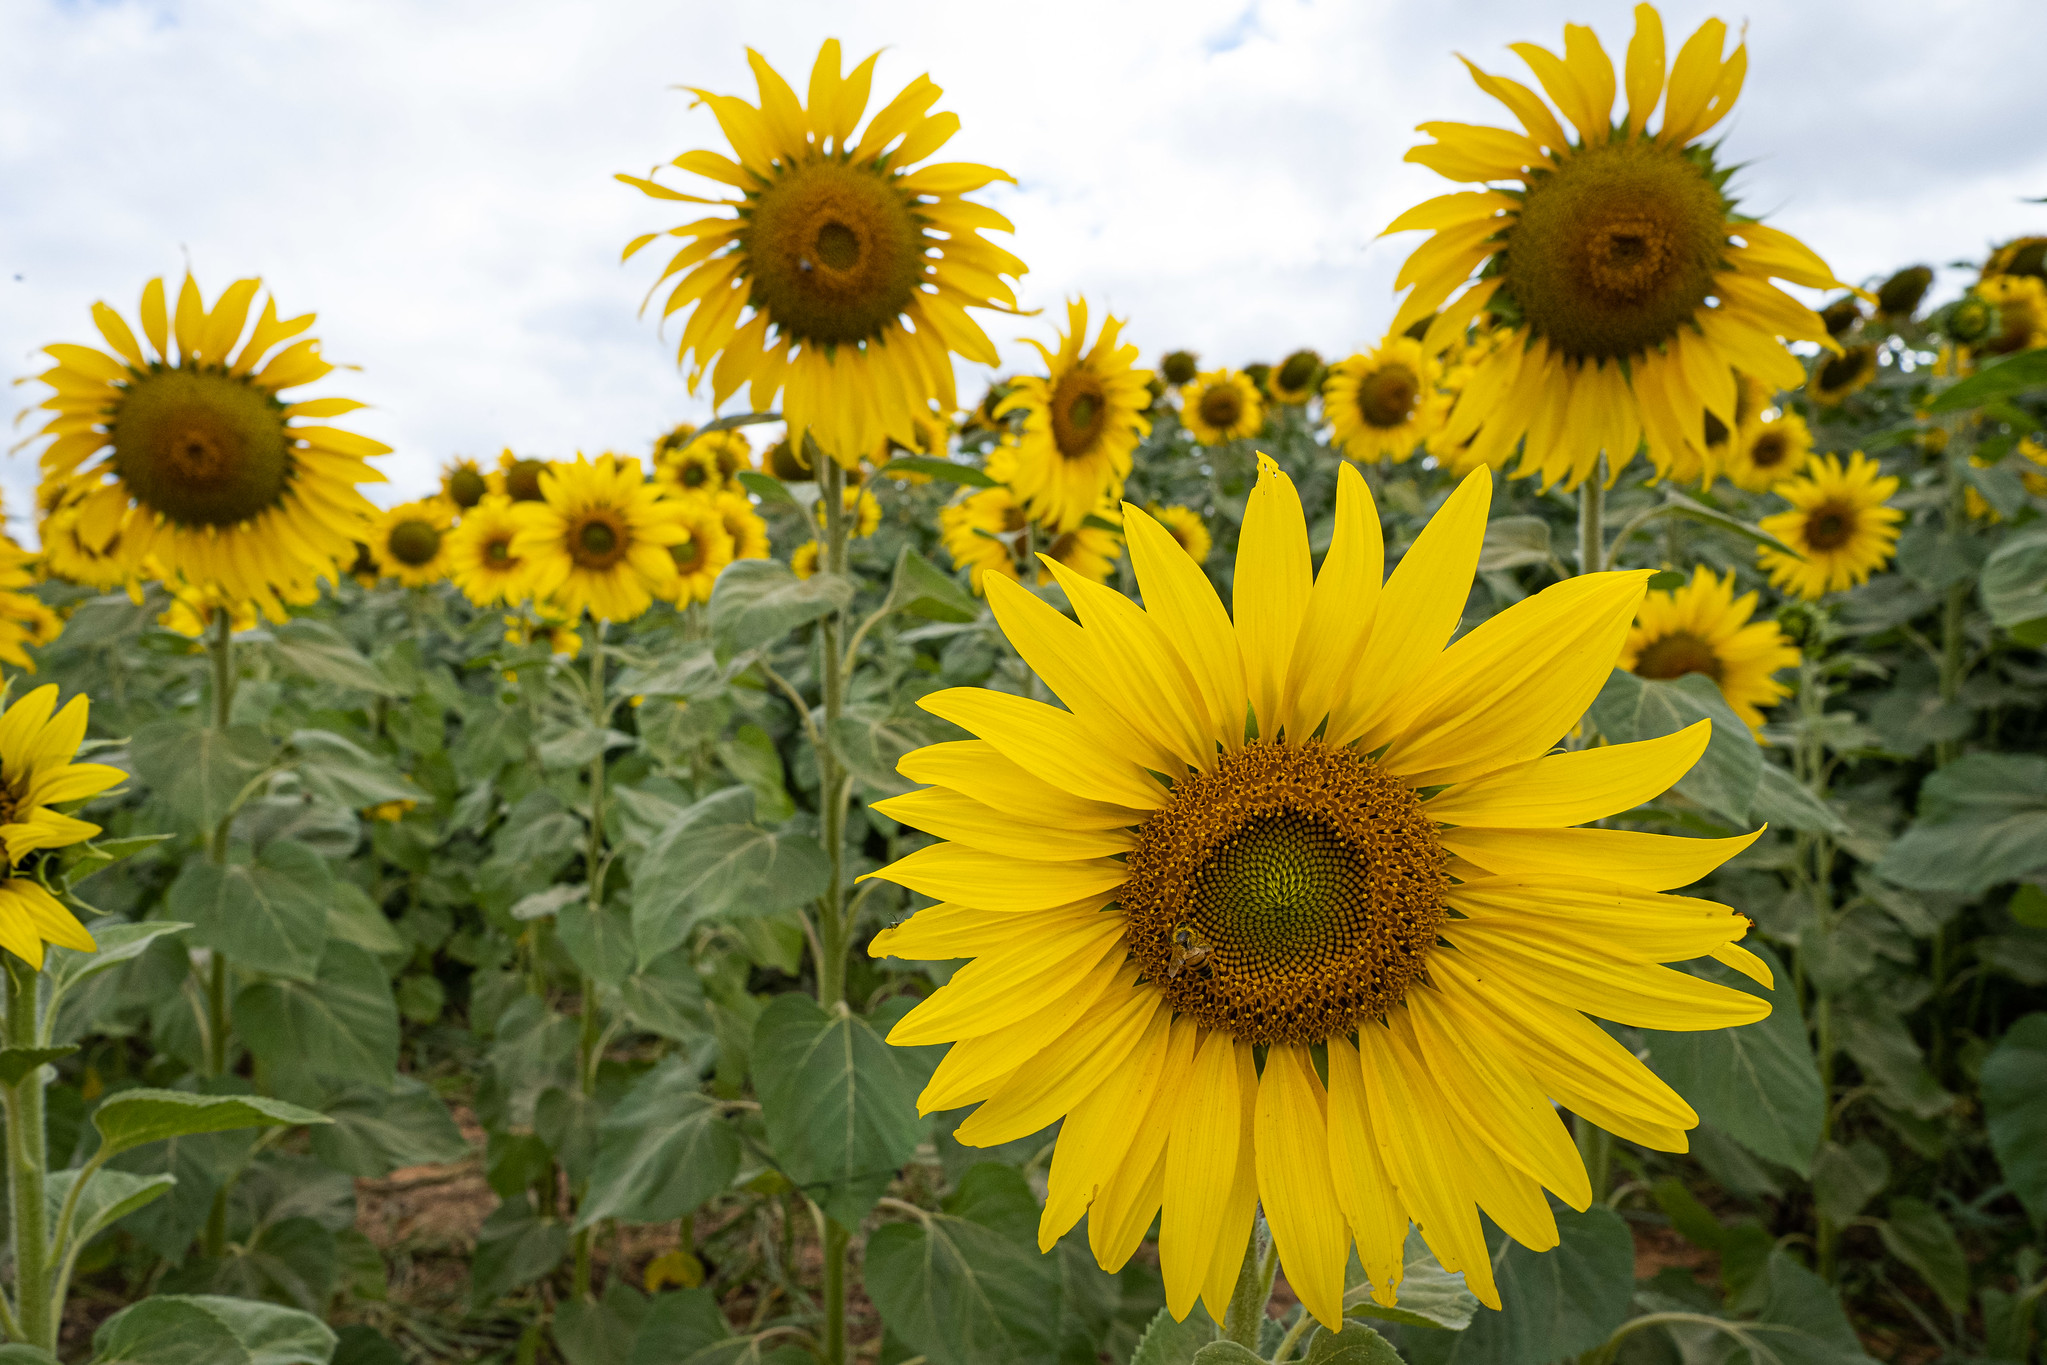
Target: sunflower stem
[
  {"x": 1246, "y": 1313},
  {"x": 836, "y": 1241},
  {"x": 1952, "y": 639},
  {"x": 1591, "y": 519},
  {"x": 833, "y": 930},
  {"x": 590, "y": 1031},
  {"x": 27, "y": 1170},
  {"x": 222, "y": 649}
]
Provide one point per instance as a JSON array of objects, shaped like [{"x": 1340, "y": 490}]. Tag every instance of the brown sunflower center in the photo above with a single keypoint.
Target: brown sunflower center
[
  {"x": 1012, "y": 519},
  {"x": 1179, "y": 367},
  {"x": 1287, "y": 895},
  {"x": 414, "y": 542},
  {"x": 688, "y": 553},
  {"x": 597, "y": 540},
  {"x": 1770, "y": 449},
  {"x": 834, "y": 252},
  {"x": 522, "y": 480},
  {"x": 201, "y": 448},
  {"x": 1615, "y": 249},
  {"x": 1080, "y": 410},
  {"x": 1829, "y": 526},
  {"x": 1297, "y": 371},
  {"x": 787, "y": 463},
  {"x": 1222, "y": 407},
  {"x": 1386, "y": 397},
  {"x": 466, "y": 487},
  {"x": 694, "y": 475},
  {"x": 1840, "y": 372},
  {"x": 497, "y": 551},
  {"x": 1676, "y": 654}
]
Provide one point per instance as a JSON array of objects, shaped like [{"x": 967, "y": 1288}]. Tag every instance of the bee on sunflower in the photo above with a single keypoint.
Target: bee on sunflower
[
  {"x": 410, "y": 542},
  {"x": 598, "y": 539},
  {"x": 1839, "y": 521},
  {"x": 1703, "y": 627},
  {"x": 1081, "y": 421},
  {"x": 1632, "y": 286},
  {"x": 1220, "y": 406},
  {"x": 1384, "y": 404}
]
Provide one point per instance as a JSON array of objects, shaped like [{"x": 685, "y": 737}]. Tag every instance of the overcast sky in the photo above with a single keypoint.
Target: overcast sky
[{"x": 435, "y": 179}]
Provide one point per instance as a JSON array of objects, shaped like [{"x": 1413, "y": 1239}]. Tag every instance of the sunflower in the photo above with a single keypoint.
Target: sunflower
[
  {"x": 546, "y": 624},
  {"x": 843, "y": 277},
  {"x": 691, "y": 469},
  {"x": 1294, "y": 381},
  {"x": 481, "y": 560},
  {"x": 599, "y": 539},
  {"x": 1838, "y": 522},
  {"x": 1704, "y": 628},
  {"x": 803, "y": 560},
  {"x": 463, "y": 483},
  {"x": 1751, "y": 399},
  {"x": 787, "y": 463},
  {"x": 861, "y": 505},
  {"x": 1186, "y": 527},
  {"x": 1221, "y": 406},
  {"x": 1080, "y": 422},
  {"x": 1614, "y": 260},
  {"x": 410, "y": 542},
  {"x": 1834, "y": 377},
  {"x": 193, "y": 611},
  {"x": 197, "y": 465},
  {"x": 1383, "y": 405},
  {"x": 36, "y": 773},
  {"x": 517, "y": 477},
  {"x": 982, "y": 532},
  {"x": 1183, "y": 918},
  {"x": 68, "y": 553},
  {"x": 702, "y": 553},
  {"x": 745, "y": 527},
  {"x": 1898, "y": 298},
  {"x": 24, "y": 619},
  {"x": 2021, "y": 302},
  {"x": 2035, "y": 479},
  {"x": 1090, "y": 551},
  {"x": 1179, "y": 367},
  {"x": 1769, "y": 452}
]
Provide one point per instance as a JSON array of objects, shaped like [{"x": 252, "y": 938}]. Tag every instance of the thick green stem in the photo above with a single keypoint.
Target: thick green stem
[
  {"x": 833, "y": 931},
  {"x": 1592, "y": 519},
  {"x": 590, "y": 1034},
  {"x": 836, "y": 1242},
  {"x": 1246, "y": 1313},
  {"x": 28, "y": 1166},
  {"x": 1956, "y": 524},
  {"x": 222, "y": 648}
]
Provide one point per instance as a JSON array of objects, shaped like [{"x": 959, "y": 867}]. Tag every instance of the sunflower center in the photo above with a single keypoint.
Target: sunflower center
[
  {"x": 1012, "y": 519},
  {"x": 522, "y": 480},
  {"x": 834, "y": 252},
  {"x": 1387, "y": 397},
  {"x": 1298, "y": 370},
  {"x": 1616, "y": 249},
  {"x": 414, "y": 543},
  {"x": 201, "y": 449},
  {"x": 687, "y": 553},
  {"x": 598, "y": 541},
  {"x": 1222, "y": 407},
  {"x": 466, "y": 487},
  {"x": 497, "y": 551},
  {"x": 694, "y": 475},
  {"x": 1769, "y": 450},
  {"x": 1842, "y": 370},
  {"x": 1080, "y": 409},
  {"x": 1286, "y": 896},
  {"x": 1677, "y": 654},
  {"x": 1829, "y": 526}
]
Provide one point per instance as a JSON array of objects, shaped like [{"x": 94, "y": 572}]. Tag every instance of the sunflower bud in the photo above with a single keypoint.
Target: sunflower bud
[
  {"x": 1840, "y": 315},
  {"x": 1971, "y": 319},
  {"x": 787, "y": 463},
  {"x": 1180, "y": 367},
  {"x": 1299, "y": 370},
  {"x": 1260, "y": 375},
  {"x": 1900, "y": 295}
]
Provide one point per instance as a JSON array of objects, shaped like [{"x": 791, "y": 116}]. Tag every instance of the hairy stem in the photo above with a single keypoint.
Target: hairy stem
[
  {"x": 1246, "y": 1313},
  {"x": 222, "y": 649},
  {"x": 590, "y": 1033},
  {"x": 1591, "y": 519},
  {"x": 836, "y": 1242},
  {"x": 833, "y": 930},
  {"x": 27, "y": 1170}
]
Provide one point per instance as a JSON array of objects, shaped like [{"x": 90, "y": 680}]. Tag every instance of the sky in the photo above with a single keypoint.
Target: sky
[{"x": 435, "y": 179}]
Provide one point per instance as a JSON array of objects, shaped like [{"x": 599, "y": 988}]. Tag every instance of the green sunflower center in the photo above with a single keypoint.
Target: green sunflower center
[
  {"x": 497, "y": 551},
  {"x": 522, "y": 480},
  {"x": 1829, "y": 526},
  {"x": 688, "y": 554},
  {"x": 414, "y": 542},
  {"x": 833, "y": 251},
  {"x": 1616, "y": 249},
  {"x": 1287, "y": 895},
  {"x": 1080, "y": 412},
  {"x": 1676, "y": 654},
  {"x": 694, "y": 475},
  {"x": 200, "y": 448},
  {"x": 1222, "y": 407},
  {"x": 1386, "y": 397},
  {"x": 597, "y": 540},
  {"x": 466, "y": 487}
]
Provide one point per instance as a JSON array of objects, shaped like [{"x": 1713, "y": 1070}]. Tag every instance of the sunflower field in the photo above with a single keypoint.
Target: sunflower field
[{"x": 1525, "y": 843}]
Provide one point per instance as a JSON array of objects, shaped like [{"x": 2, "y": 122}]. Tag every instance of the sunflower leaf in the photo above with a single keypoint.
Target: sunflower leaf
[
  {"x": 758, "y": 601},
  {"x": 948, "y": 470},
  {"x": 1677, "y": 504},
  {"x": 923, "y": 589},
  {"x": 2024, "y": 371},
  {"x": 2015, "y": 1111}
]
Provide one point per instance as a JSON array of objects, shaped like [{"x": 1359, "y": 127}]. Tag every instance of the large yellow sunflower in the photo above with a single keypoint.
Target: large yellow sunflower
[
  {"x": 1633, "y": 288},
  {"x": 36, "y": 774},
  {"x": 196, "y": 464},
  {"x": 1384, "y": 404},
  {"x": 1182, "y": 920},
  {"x": 481, "y": 560},
  {"x": 1838, "y": 521},
  {"x": 1768, "y": 452},
  {"x": 842, "y": 277},
  {"x": 410, "y": 542},
  {"x": 1222, "y": 405},
  {"x": 1081, "y": 422},
  {"x": 703, "y": 551},
  {"x": 982, "y": 531},
  {"x": 598, "y": 539},
  {"x": 1704, "y": 628}
]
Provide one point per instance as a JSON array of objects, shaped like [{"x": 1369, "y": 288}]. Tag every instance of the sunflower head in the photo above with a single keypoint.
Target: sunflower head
[
  {"x": 1187, "y": 529},
  {"x": 1704, "y": 628},
  {"x": 1899, "y": 297},
  {"x": 861, "y": 506},
  {"x": 984, "y": 531},
  {"x": 1296, "y": 378},
  {"x": 598, "y": 539},
  {"x": 518, "y": 477},
  {"x": 803, "y": 559},
  {"x": 1081, "y": 421},
  {"x": 1386, "y": 403},
  {"x": 1222, "y": 406},
  {"x": 1841, "y": 315},
  {"x": 463, "y": 484},
  {"x": 1839, "y": 525},
  {"x": 2019, "y": 256},
  {"x": 1835, "y": 377},
  {"x": 410, "y": 542},
  {"x": 2021, "y": 303},
  {"x": 37, "y": 776},
  {"x": 1769, "y": 452},
  {"x": 703, "y": 552},
  {"x": 673, "y": 440},
  {"x": 1179, "y": 367},
  {"x": 545, "y": 624},
  {"x": 482, "y": 559}
]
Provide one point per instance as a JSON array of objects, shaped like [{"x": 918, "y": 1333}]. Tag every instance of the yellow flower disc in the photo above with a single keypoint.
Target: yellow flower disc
[
  {"x": 1839, "y": 522},
  {"x": 1704, "y": 628}
]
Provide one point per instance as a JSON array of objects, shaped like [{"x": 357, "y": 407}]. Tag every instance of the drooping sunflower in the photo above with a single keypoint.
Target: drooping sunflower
[
  {"x": 1181, "y": 919},
  {"x": 598, "y": 539},
  {"x": 1704, "y": 628},
  {"x": 859, "y": 504},
  {"x": 1898, "y": 298},
  {"x": 463, "y": 483},
  {"x": 1632, "y": 286},
  {"x": 1769, "y": 452},
  {"x": 1838, "y": 521},
  {"x": 1187, "y": 529},
  {"x": 1221, "y": 406},
  {"x": 982, "y": 531},
  {"x": 1179, "y": 367},
  {"x": 410, "y": 542},
  {"x": 1834, "y": 377},
  {"x": 1081, "y": 421},
  {"x": 843, "y": 276},
  {"x": 481, "y": 558},
  {"x": 749, "y": 532},
  {"x": 37, "y": 774},
  {"x": 702, "y": 553},
  {"x": 2019, "y": 256},
  {"x": 68, "y": 553},
  {"x": 1384, "y": 404},
  {"x": 803, "y": 559},
  {"x": 2021, "y": 302},
  {"x": 517, "y": 477},
  {"x": 195, "y": 464},
  {"x": 24, "y": 619}
]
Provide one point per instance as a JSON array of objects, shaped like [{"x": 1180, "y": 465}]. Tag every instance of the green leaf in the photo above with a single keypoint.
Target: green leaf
[
  {"x": 767, "y": 488},
  {"x": 1846, "y": 1178},
  {"x": 1678, "y": 505},
  {"x": 1554, "y": 1303},
  {"x": 1724, "y": 780},
  {"x": 1999, "y": 486},
  {"x": 131, "y": 1118},
  {"x": 118, "y": 943},
  {"x": 600, "y": 1331},
  {"x": 81, "y": 860},
  {"x": 316, "y": 650},
  {"x": 1922, "y": 1239},
  {"x": 2013, "y": 584},
  {"x": 666, "y": 997},
  {"x": 750, "y": 755},
  {"x": 1800, "y": 1322},
  {"x": 1227, "y": 1353},
  {"x": 2014, "y": 1082},
  {"x": 354, "y": 918},
  {"x": 921, "y": 588},
  {"x": 206, "y": 1329},
  {"x": 1429, "y": 1296},
  {"x": 947, "y": 470},
  {"x": 361, "y": 1345},
  {"x": 599, "y": 941},
  {"x": 514, "y": 1247},
  {"x": 1513, "y": 543},
  {"x": 1758, "y": 1083},
  {"x": 2001, "y": 379},
  {"x": 197, "y": 771},
  {"x": 16, "y": 1062},
  {"x": 1982, "y": 820},
  {"x": 871, "y": 742},
  {"x": 1356, "y": 1344},
  {"x": 20, "y": 1353},
  {"x": 662, "y": 1151},
  {"x": 108, "y": 1197},
  {"x": 2028, "y": 906},
  {"x": 268, "y": 916},
  {"x": 706, "y": 865},
  {"x": 758, "y": 601},
  {"x": 839, "y": 1109},
  {"x": 680, "y": 1324},
  {"x": 1166, "y": 1342},
  {"x": 376, "y": 1131},
  {"x": 346, "y": 773},
  {"x": 343, "y": 1025},
  {"x": 1782, "y": 802}
]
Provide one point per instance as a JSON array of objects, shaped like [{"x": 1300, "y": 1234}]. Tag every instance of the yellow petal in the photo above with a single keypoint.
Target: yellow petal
[
  {"x": 1535, "y": 116},
  {"x": 1272, "y": 583},
  {"x": 1308, "y": 1230},
  {"x": 1241, "y": 1210},
  {"x": 1747, "y": 963},
  {"x": 1645, "y": 67},
  {"x": 1338, "y": 618},
  {"x": 1050, "y": 744},
  {"x": 993, "y": 881},
  {"x": 950, "y": 815},
  {"x": 1641, "y": 994},
  {"x": 1569, "y": 789},
  {"x": 154, "y": 325},
  {"x": 224, "y": 324},
  {"x": 975, "y": 768},
  {"x": 946, "y": 930},
  {"x": 1140, "y": 668},
  {"x": 1364, "y": 1188},
  {"x": 1654, "y": 862},
  {"x": 1098, "y": 1133},
  {"x": 1593, "y": 70},
  {"x": 190, "y": 320},
  {"x": 975, "y": 1068},
  {"x": 115, "y": 329},
  {"x": 1130, "y": 1193},
  {"x": 1693, "y": 77},
  {"x": 1201, "y": 1166},
  {"x": 1066, "y": 1072},
  {"x": 1560, "y": 82},
  {"x": 1178, "y": 595}
]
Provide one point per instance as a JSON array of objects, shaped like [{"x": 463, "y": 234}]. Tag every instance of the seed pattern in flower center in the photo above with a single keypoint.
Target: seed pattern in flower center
[
  {"x": 200, "y": 447},
  {"x": 1676, "y": 654},
  {"x": 1080, "y": 410},
  {"x": 414, "y": 543},
  {"x": 1829, "y": 526},
  {"x": 1222, "y": 407},
  {"x": 833, "y": 252},
  {"x": 598, "y": 540},
  {"x": 1386, "y": 397}
]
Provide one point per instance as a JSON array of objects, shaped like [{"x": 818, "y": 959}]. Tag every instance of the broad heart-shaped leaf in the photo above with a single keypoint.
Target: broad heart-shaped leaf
[
  {"x": 1982, "y": 820},
  {"x": 1917, "y": 1235},
  {"x": 1554, "y": 1303},
  {"x": 969, "y": 1284},
  {"x": 1758, "y": 1083},
  {"x": 1227, "y": 1353},
  {"x": 757, "y": 601},
  {"x": 345, "y": 772},
  {"x": 79, "y": 861},
  {"x": 767, "y": 488},
  {"x": 1724, "y": 779},
  {"x": 1782, "y": 803},
  {"x": 205, "y": 1329},
  {"x": 2013, "y": 584},
  {"x": 2025, "y": 371},
  {"x": 2014, "y": 1081},
  {"x": 198, "y": 771},
  {"x": 750, "y": 755},
  {"x": 130, "y": 1118},
  {"x": 268, "y": 916},
  {"x": 710, "y": 862},
  {"x": 1356, "y": 1344},
  {"x": 600, "y": 1331},
  {"x": 343, "y": 1025},
  {"x": 1800, "y": 1323},
  {"x": 1513, "y": 543},
  {"x": 840, "y": 1111},
  {"x": 376, "y": 1131},
  {"x": 600, "y": 941},
  {"x": 680, "y": 1324},
  {"x": 514, "y": 1247},
  {"x": 118, "y": 943},
  {"x": 109, "y": 1195},
  {"x": 316, "y": 650},
  {"x": 661, "y": 1152},
  {"x": 1166, "y": 1342},
  {"x": 16, "y": 1062},
  {"x": 1429, "y": 1295},
  {"x": 923, "y": 589}
]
